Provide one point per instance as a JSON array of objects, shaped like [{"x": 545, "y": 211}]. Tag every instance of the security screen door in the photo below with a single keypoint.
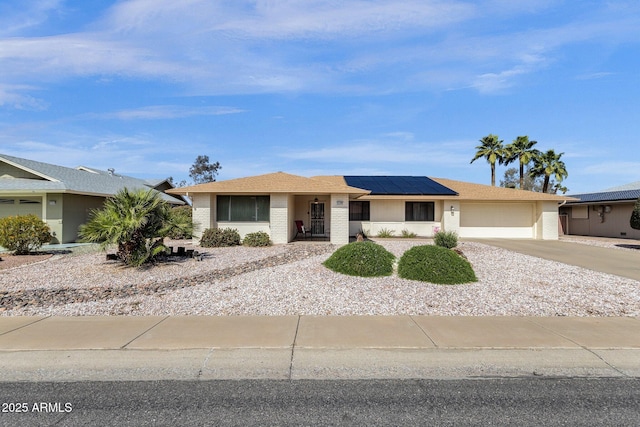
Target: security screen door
[{"x": 317, "y": 218}]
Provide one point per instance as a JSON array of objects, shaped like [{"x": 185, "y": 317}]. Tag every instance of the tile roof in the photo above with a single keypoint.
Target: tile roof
[
  {"x": 281, "y": 182},
  {"x": 278, "y": 182},
  {"x": 470, "y": 191},
  {"x": 81, "y": 180},
  {"x": 607, "y": 196}
]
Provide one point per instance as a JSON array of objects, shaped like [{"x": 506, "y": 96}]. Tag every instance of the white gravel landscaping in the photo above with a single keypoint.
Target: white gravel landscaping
[{"x": 509, "y": 284}]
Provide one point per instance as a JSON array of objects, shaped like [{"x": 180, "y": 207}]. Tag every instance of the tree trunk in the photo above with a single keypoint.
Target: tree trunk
[
  {"x": 521, "y": 173},
  {"x": 545, "y": 185},
  {"x": 493, "y": 174}
]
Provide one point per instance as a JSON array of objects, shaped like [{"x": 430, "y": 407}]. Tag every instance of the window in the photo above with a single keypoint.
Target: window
[
  {"x": 419, "y": 211},
  {"x": 7, "y": 201},
  {"x": 243, "y": 208},
  {"x": 358, "y": 211}
]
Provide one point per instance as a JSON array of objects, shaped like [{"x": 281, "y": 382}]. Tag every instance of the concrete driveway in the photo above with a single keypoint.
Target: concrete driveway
[{"x": 625, "y": 263}]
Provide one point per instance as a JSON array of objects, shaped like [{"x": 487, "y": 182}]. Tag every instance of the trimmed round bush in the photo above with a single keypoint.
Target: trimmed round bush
[
  {"x": 364, "y": 259},
  {"x": 219, "y": 237},
  {"x": 22, "y": 234},
  {"x": 446, "y": 239},
  {"x": 435, "y": 264},
  {"x": 257, "y": 239}
]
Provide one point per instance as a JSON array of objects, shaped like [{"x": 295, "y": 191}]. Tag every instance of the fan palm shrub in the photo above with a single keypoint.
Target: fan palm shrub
[{"x": 137, "y": 221}]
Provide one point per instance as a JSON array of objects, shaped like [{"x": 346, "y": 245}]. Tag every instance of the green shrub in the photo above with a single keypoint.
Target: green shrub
[
  {"x": 634, "y": 221},
  {"x": 23, "y": 233},
  {"x": 219, "y": 237},
  {"x": 408, "y": 234},
  {"x": 385, "y": 233},
  {"x": 446, "y": 239},
  {"x": 435, "y": 264},
  {"x": 364, "y": 259},
  {"x": 259, "y": 238},
  {"x": 183, "y": 215}
]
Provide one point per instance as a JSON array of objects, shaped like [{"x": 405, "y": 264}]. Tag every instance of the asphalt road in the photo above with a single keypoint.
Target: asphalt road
[{"x": 516, "y": 401}]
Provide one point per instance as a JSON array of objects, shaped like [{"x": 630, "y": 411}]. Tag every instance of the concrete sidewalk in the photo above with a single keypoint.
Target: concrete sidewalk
[{"x": 315, "y": 347}]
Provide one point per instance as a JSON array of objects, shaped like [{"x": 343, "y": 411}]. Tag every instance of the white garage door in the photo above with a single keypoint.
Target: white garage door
[
  {"x": 504, "y": 220},
  {"x": 20, "y": 206}
]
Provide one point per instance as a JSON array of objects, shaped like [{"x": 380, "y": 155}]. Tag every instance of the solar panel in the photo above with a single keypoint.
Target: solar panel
[{"x": 399, "y": 185}]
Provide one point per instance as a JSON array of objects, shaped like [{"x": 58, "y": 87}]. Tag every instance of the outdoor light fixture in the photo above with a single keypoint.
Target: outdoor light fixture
[
  {"x": 453, "y": 210},
  {"x": 315, "y": 201}
]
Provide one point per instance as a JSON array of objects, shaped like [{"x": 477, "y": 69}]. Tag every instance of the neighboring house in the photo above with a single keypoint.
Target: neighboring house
[
  {"x": 63, "y": 197},
  {"x": 340, "y": 206},
  {"x": 605, "y": 214}
]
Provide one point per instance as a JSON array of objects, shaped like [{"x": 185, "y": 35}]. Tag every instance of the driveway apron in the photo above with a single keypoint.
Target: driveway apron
[{"x": 624, "y": 263}]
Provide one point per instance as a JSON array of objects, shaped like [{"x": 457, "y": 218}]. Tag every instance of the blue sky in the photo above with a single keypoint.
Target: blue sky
[{"x": 381, "y": 87}]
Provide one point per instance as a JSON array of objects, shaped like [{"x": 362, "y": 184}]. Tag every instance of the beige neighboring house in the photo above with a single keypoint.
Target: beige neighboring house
[
  {"x": 337, "y": 207},
  {"x": 63, "y": 197},
  {"x": 605, "y": 214}
]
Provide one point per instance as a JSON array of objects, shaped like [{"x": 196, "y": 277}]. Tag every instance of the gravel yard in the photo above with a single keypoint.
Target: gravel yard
[{"x": 291, "y": 280}]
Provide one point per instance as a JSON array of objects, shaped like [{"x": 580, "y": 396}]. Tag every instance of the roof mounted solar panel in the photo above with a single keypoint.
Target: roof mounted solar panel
[{"x": 399, "y": 185}]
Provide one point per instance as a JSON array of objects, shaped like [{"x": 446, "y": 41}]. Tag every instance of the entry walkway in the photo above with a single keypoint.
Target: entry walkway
[
  {"x": 315, "y": 347},
  {"x": 625, "y": 263}
]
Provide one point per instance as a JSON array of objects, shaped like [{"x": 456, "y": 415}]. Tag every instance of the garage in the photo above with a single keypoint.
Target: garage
[
  {"x": 21, "y": 206},
  {"x": 508, "y": 220}
]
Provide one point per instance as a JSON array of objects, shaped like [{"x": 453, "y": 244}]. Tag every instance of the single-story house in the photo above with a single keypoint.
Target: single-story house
[
  {"x": 604, "y": 214},
  {"x": 63, "y": 197},
  {"x": 338, "y": 207}
]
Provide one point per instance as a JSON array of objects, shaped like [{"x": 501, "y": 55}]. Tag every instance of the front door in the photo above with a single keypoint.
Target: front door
[{"x": 317, "y": 218}]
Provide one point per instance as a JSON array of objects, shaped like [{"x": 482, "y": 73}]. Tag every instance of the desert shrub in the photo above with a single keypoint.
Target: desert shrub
[
  {"x": 137, "y": 221},
  {"x": 385, "y": 233},
  {"x": 219, "y": 237},
  {"x": 364, "y": 259},
  {"x": 22, "y": 234},
  {"x": 408, "y": 234},
  {"x": 259, "y": 238},
  {"x": 183, "y": 215},
  {"x": 446, "y": 239},
  {"x": 435, "y": 264}
]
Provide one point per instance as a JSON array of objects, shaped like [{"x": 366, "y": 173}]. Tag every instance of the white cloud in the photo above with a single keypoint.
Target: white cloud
[
  {"x": 12, "y": 96},
  {"x": 395, "y": 150},
  {"x": 309, "y": 45},
  {"x": 164, "y": 112},
  {"x": 25, "y": 15}
]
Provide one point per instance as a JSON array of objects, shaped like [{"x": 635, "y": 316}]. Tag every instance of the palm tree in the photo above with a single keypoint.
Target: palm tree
[
  {"x": 520, "y": 149},
  {"x": 137, "y": 221},
  {"x": 547, "y": 164},
  {"x": 492, "y": 150}
]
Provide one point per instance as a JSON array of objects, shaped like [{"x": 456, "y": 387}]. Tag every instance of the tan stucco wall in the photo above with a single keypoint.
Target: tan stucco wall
[
  {"x": 390, "y": 214},
  {"x": 451, "y": 221},
  {"x": 616, "y": 222},
  {"x": 75, "y": 212},
  {"x": 547, "y": 220}
]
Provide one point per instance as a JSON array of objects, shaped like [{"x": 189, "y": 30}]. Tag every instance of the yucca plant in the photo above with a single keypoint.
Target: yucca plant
[{"x": 137, "y": 221}]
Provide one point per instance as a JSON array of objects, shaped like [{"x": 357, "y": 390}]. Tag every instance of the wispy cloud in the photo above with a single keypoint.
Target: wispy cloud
[
  {"x": 258, "y": 46},
  {"x": 13, "y": 96},
  {"x": 392, "y": 148},
  {"x": 24, "y": 15},
  {"x": 164, "y": 112}
]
